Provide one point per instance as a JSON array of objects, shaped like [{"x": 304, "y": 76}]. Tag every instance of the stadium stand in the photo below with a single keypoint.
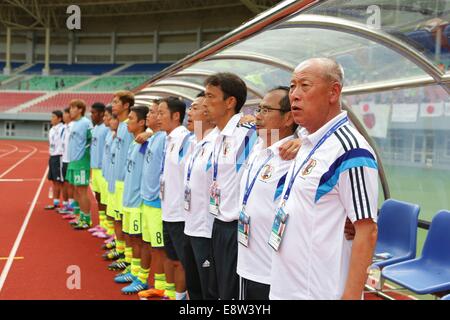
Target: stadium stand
[
  {"x": 9, "y": 100},
  {"x": 65, "y": 76},
  {"x": 73, "y": 69},
  {"x": 14, "y": 65},
  {"x": 62, "y": 100},
  {"x": 50, "y": 83},
  {"x": 113, "y": 83},
  {"x": 3, "y": 78}
]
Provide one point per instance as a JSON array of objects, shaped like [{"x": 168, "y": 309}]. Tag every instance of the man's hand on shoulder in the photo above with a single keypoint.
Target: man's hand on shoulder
[
  {"x": 248, "y": 118},
  {"x": 144, "y": 136},
  {"x": 289, "y": 149}
]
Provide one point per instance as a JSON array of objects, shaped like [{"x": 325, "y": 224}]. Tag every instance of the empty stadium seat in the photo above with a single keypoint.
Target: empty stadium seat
[
  {"x": 114, "y": 83},
  {"x": 3, "y": 78},
  {"x": 430, "y": 273},
  {"x": 9, "y": 100},
  {"x": 397, "y": 232},
  {"x": 50, "y": 83},
  {"x": 75, "y": 69},
  {"x": 62, "y": 100},
  {"x": 14, "y": 65}
]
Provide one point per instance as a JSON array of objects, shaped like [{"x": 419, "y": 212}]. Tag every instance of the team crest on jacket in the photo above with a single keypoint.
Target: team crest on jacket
[
  {"x": 309, "y": 167},
  {"x": 266, "y": 172}
]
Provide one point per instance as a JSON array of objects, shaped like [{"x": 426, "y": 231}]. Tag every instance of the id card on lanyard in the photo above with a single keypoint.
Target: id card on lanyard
[
  {"x": 187, "y": 198},
  {"x": 278, "y": 228},
  {"x": 243, "y": 228},
  {"x": 281, "y": 218},
  {"x": 244, "y": 219},
  {"x": 187, "y": 189},
  {"x": 161, "y": 188},
  {"x": 214, "y": 190},
  {"x": 214, "y": 199}
]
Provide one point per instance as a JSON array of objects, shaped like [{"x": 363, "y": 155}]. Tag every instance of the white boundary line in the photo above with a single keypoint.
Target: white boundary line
[
  {"x": 19, "y": 162},
  {"x": 15, "y": 247},
  {"x": 9, "y": 152},
  {"x": 20, "y": 180}
]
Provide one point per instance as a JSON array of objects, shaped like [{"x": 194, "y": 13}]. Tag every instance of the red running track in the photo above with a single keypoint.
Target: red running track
[{"x": 49, "y": 246}]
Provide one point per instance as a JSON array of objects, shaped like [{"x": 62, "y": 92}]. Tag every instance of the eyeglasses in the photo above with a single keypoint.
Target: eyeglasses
[{"x": 266, "y": 110}]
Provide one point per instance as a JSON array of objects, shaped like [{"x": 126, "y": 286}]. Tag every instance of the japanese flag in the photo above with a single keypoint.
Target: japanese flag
[
  {"x": 432, "y": 109},
  {"x": 404, "y": 112},
  {"x": 375, "y": 117},
  {"x": 447, "y": 109}
]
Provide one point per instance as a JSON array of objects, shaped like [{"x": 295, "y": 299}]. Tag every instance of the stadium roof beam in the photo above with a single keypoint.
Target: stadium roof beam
[
  {"x": 38, "y": 14},
  {"x": 40, "y": 17},
  {"x": 114, "y": 12},
  {"x": 111, "y": 8},
  {"x": 278, "y": 13},
  {"x": 256, "y": 6}
]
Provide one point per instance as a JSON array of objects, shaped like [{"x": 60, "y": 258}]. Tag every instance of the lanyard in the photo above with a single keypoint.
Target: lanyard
[
  {"x": 191, "y": 164},
  {"x": 216, "y": 160},
  {"x": 249, "y": 188},
  {"x": 183, "y": 144},
  {"x": 321, "y": 141},
  {"x": 164, "y": 159}
]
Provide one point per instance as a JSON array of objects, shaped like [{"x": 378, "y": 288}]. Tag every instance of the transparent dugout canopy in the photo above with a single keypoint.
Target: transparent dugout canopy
[
  {"x": 421, "y": 24},
  {"x": 396, "y": 87},
  {"x": 355, "y": 54}
]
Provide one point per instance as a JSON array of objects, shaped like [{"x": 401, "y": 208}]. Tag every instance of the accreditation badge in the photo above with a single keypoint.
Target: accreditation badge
[
  {"x": 278, "y": 228},
  {"x": 214, "y": 199},
  {"x": 243, "y": 228},
  {"x": 187, "y": 198},
  {"x": 161, "y": 188},
  {"x": 374, "y": 277}
]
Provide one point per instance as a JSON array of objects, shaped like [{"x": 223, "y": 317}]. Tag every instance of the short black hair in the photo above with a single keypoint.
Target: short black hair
[
  {"x": 58, "y": 113},
  {"x": 99, "y": 106},
  {"x": 175, "y": 105},
  {"x": 141, "y": 112},
  {"x": 67, "y": 110},
  {"x": 108, "y": 109},
  {"x": 201, "y": 94},
  {"x": 231, "y": 86},
  {"x": 285, "y": 103}
]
